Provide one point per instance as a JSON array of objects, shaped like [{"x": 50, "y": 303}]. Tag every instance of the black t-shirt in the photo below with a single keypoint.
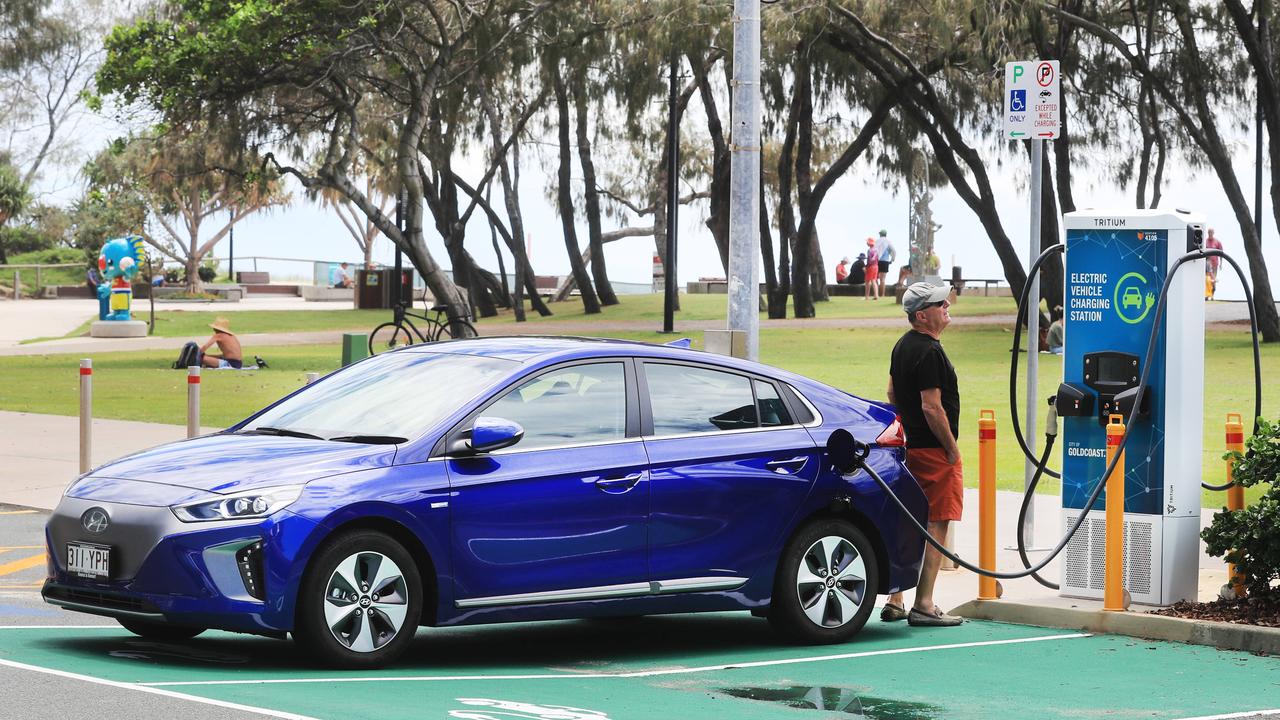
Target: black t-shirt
[{"x": 919, "y": 363}]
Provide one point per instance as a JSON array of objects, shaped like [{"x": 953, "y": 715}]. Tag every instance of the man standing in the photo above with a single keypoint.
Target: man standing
[
  {"x": 1211, "y": 264},
  {"x": 886, "y": 254},
  {"x": 922, "y": 384}
]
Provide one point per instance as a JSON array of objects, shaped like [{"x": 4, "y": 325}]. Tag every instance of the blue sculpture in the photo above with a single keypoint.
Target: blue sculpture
[{"x": 120, "y": 260}]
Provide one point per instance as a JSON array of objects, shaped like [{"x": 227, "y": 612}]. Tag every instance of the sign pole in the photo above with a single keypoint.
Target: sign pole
[{"x": 1033, "y": 336}]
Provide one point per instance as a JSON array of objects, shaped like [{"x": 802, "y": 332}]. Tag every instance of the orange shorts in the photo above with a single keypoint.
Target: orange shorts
[
  {"x": 942, "y": 482},
  {"x": 872, "y": 272}
]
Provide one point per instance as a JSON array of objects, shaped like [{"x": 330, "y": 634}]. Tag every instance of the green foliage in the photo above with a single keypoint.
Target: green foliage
[
  {"x": 15, "y": 240},
  {"x": 1250, "y": 538}
]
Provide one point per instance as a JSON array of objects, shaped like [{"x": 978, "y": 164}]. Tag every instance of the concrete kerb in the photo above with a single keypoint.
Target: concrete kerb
[{"x": 1220, "y": 635}]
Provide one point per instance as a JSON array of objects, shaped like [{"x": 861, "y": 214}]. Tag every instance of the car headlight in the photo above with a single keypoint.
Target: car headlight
[{"x": 240, "y": 506}]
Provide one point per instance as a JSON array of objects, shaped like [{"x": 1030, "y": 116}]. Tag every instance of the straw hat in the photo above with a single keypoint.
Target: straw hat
[{"x": 221, "y": 325}]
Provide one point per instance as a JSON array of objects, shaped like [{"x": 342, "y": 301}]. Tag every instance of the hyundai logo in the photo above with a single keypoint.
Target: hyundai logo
[{"x": 95, "y": 520}]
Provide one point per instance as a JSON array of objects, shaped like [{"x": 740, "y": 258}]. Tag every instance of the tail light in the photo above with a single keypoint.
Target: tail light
[{"x": 893, "y": 436}]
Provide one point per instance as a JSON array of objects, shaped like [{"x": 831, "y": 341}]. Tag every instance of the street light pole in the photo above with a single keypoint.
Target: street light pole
[
  {"x": 744, "y": 187},
  {"x": 673, "y": 198},
  {"x": 231, "y": 253}
]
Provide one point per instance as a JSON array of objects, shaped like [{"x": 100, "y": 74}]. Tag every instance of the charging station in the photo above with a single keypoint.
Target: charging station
[{"x": 1115, "y": 266}]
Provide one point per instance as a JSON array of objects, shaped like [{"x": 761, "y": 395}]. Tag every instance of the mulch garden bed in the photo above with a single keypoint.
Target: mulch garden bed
[{"x": 1263, "y": 611}]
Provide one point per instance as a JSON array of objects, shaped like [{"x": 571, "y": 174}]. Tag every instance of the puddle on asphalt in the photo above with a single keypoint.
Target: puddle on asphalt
[{"x": 836, "y": 699}]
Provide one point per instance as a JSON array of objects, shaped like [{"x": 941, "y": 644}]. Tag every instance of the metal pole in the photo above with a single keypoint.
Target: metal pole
[
  {"x": 399, "y": 264},
  {"x": 231, "y": 254},
  {"x": 86, "y": 415},
  {"x": 1033, "y": 336},
  {"x": 673, "y": 199},
  {"x": 744, "y": 188},
  {"x": 193, "y": 401}
]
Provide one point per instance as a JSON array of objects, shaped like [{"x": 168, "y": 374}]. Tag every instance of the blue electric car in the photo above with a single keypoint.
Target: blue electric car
[{"x": 496, "y": 480}]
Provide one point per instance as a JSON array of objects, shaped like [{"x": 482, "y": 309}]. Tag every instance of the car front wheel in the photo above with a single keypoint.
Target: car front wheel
[
  {"x": 826, "y": 584},
  {"x": 360, "y": 601}
]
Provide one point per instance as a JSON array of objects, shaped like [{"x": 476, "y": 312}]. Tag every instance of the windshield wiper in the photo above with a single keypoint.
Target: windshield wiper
[
  {"x": 370, "y": 439},
  {"x": 282, "y": 432}
]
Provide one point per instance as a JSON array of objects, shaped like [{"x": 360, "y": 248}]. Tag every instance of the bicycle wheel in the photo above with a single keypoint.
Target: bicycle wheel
[
  {"x": 441, "y": 332},
  {"x": 389, "y": 336}
]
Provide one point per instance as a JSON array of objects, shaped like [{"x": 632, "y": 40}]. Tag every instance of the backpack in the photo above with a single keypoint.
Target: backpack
[{"x": 188, "y": 356}]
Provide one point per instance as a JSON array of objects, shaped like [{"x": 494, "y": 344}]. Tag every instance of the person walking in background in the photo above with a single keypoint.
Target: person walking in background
[
  {"x": 1211, "y": 265},
  {"x": 924, "y": 387},
  {"x": 886, "y": 254},
  {"x": 872, "y": 272}
]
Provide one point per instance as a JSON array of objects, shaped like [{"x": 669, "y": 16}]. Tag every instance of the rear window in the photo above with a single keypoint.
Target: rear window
[{"x": 687, "y": 400}]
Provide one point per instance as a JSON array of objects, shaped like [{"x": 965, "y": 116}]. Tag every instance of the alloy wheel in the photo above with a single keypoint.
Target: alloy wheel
[
  {"x": 365, "y": 602},
  {"x": 831, "y": 581}
]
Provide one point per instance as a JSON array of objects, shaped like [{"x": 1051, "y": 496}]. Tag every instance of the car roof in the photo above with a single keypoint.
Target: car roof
[{"x": 549, "y": 349}]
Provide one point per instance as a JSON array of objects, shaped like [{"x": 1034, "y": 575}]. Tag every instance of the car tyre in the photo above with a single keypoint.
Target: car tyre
[
  {"x": 359, "y": 601},
  {"x": 159, "y": 631},
  {"x": 826, "y": 585}
]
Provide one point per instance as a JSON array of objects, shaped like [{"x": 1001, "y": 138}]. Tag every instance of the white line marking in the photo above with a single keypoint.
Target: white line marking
[
  {"x": 635, "y": 674},
  {"x": 1247, "y": 714},
  {"x": 156, "y": 691}
]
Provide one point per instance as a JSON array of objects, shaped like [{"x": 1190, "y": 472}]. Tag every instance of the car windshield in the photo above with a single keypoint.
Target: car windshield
[{"x": 393, "y": 397}]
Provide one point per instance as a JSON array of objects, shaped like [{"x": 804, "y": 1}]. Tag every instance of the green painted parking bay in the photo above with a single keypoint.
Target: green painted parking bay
[{"x": 713, "y": 666}]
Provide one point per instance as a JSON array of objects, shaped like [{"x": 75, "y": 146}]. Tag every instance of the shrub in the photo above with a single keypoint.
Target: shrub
[{"x": 1250, "y": 538}]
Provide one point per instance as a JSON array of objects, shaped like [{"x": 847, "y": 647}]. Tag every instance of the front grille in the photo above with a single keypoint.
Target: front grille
[{"x": 97, "y": 598}]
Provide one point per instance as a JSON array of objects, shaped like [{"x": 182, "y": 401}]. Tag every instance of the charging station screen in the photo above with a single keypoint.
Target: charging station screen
[{"x": 1113, "y": 277}]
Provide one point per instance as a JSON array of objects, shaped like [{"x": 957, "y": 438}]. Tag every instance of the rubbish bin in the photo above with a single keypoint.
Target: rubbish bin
[{"x": 373, "y": 289}]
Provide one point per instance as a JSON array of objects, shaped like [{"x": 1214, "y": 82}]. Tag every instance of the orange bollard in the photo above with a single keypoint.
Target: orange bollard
[
  {"x": 1113, "y": 581},
  {"x": 1235, "y": 493},
  {"x": 987, "y": 588}
]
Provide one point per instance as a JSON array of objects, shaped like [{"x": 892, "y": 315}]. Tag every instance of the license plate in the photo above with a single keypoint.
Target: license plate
[{"x": 90, "y": 561}]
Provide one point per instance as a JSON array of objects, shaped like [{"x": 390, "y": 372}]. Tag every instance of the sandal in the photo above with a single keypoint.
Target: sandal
[{"x": 892, "y": 613}]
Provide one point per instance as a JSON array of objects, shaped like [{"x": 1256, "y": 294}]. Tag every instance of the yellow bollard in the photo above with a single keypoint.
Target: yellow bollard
[
  {"x": 1113, "y": 582},
  {"x": 1235, "y": 493},
  {"x": 987, "y": 589}
]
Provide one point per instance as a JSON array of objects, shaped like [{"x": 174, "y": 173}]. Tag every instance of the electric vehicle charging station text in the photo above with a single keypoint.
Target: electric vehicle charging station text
[{"x": 1115, "y": 266}]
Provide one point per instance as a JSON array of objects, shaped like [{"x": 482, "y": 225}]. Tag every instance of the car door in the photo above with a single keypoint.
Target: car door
[
  {"x": 562, "y": 514},
  {"x": 728, "y": 468}
]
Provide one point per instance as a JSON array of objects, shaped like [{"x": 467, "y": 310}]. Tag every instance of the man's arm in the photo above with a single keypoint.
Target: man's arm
[
  {"x": 936, "y": 417},
  {"x": 889, "y": 392},
  {"x": 207, "y": 343}
]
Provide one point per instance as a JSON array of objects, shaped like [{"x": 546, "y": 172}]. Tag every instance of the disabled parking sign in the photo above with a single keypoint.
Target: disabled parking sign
[{"x": 1032, "y": 100}]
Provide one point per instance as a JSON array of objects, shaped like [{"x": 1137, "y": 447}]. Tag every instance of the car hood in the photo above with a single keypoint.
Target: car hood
[{"x": 227, "y": 462}]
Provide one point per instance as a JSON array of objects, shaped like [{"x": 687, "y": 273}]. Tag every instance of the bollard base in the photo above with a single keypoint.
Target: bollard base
[{"x": 118, "y": 329}]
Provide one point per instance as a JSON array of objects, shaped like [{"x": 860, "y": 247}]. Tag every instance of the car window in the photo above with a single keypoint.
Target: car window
[
  {"x": 570, "y": 406},
  {"x": 397, "y": 394},
  {"x": 773, "y": 412},
  {"x": 687, "y": 399}
]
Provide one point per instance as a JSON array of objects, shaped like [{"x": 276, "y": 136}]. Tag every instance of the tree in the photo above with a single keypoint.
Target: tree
[
  {"x": 13, "y": 200},
  {"x": 177, "y": 178},
  {"x": 1195, "y": 85},
  {"x": 318, "y": 74}
]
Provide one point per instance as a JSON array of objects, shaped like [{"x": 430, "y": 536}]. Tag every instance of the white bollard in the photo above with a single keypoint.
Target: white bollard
[
  {"x": 193, "y": 401},
  {"x": 86, "y": 415},
  {"x": 312, "y": 377}
]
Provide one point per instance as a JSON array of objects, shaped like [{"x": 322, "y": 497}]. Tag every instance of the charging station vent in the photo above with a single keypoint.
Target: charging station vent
[{"x": 1085, "y": 564}]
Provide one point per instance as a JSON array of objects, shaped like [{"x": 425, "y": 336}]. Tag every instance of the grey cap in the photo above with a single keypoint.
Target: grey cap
[{"x": 920, "y": 294}]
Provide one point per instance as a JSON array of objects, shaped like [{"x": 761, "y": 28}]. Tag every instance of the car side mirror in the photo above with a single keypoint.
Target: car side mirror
[
  {"x": 486, "y": 435},
  {"x": 845, "y": 451}
]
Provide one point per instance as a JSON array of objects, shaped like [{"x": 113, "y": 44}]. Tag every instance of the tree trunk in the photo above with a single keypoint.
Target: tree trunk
[
  {"x": 721, "y": 166},
  {"x": 591, "y": 196},
  {"x": 590, "y": 303},
  {"x": 194, "y": 284},
  {"x": 775, "y": 292},
  {"x": 801, "y": 282}
]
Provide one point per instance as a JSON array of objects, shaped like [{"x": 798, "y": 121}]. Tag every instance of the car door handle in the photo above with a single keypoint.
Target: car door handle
[
  {"x": 619, "y": 484},
  {"x": 789, "y": 466}
]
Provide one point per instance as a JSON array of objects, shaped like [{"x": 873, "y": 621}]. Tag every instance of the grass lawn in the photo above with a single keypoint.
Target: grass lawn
[
  {"x": 139, "y": 385},
  {"x": 633, "y": 308}
]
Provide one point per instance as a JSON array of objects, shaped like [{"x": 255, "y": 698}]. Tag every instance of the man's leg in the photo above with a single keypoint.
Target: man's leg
[
  {"x": 210, "y": 361},
  {"x": 929, "y": 570}
]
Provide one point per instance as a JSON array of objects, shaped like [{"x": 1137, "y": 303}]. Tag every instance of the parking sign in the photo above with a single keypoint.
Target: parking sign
[{"x": 1032, "y": 100}]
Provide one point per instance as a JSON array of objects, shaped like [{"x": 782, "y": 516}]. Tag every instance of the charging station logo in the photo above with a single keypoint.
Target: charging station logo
[{"x": 1133, "y": 299}]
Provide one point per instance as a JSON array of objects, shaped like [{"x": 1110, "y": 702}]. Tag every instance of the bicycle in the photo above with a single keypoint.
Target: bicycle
[{"x": 401, "y": 330}]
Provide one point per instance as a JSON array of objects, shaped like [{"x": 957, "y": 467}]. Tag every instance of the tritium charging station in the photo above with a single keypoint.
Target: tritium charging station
[{"x": 1116, "y": 264}]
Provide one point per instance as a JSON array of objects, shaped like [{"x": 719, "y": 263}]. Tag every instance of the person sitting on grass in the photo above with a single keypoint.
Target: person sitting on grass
[{"x": 232, "y": 354}]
